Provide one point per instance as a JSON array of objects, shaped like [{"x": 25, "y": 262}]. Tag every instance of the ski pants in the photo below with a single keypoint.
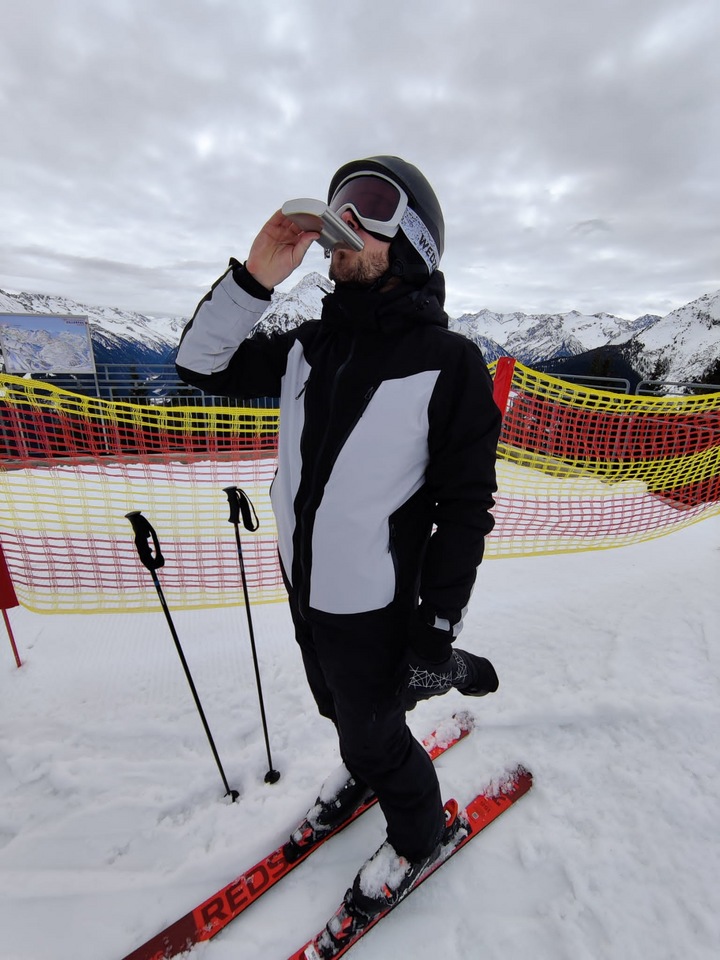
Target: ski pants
[{"x": 355, "y": 665}]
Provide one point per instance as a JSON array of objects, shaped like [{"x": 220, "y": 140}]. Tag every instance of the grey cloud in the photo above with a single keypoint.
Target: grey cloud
[
  {"x": 588, "y": 228},
  {"x": 138, "y": 136}
]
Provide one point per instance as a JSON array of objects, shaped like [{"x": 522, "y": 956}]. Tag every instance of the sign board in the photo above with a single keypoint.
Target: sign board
[{"x": 45, "y": 343}]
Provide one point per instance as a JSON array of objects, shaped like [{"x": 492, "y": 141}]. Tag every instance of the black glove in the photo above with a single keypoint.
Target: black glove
[
  {"x": 434, "y": 666},
  {"x": 471, "y": 675}
]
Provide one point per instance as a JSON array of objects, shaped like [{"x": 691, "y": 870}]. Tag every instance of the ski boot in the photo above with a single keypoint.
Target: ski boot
[
  {"x": 340, "y": 795},
  {"x": 383, "y": 881}
]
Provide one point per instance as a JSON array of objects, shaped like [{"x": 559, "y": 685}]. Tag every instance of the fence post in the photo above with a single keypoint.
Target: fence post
[
  {"x": 504, "y": 370},
  {"x": 8, "y": 599}
]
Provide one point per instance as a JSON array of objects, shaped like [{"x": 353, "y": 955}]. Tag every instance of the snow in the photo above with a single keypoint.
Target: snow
[
  {"x": 334, "y": 783},
  {"x": 686, "y": 340},
  {"x": 113, "y": 821},
  {"x": 384, "y": 869}
]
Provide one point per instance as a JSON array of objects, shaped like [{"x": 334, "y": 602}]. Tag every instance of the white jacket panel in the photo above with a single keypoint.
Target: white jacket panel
[
  {"x": 287, "y": 479},
  {"x": 221, "y": 324},
  {"x": 381, "y": 465}
]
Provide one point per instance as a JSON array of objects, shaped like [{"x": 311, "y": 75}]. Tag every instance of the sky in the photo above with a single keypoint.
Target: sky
[{"x": 574, "y": 146}]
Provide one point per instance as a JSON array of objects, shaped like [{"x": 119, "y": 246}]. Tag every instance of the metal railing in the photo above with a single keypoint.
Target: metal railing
[
  {"x": 144, "y": 383},
  {"x": 643, "y": 388},
  {"x": 683, "y": 387},
  {"x": 158, "y": 383},
  {"x": 617, "y": 384}
]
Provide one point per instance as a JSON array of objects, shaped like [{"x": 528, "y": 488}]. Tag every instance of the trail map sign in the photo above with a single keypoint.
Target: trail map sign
[{"x": 45, "y": 343}]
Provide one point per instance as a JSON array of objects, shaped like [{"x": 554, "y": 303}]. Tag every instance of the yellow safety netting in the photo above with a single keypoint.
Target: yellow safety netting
[
  {"x": 588, "y": 469},
  {"x": 579, "y": 469}
]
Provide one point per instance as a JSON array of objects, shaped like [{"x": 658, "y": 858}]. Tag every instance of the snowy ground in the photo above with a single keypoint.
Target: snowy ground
[{"x": 113, "y": 823}]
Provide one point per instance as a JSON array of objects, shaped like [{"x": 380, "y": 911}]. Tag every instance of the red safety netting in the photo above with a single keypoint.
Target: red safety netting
[{"x": 579, "y": 469}]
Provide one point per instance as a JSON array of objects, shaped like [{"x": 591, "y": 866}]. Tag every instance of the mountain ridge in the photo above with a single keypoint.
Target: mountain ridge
[{"x": 683, "y": 345}]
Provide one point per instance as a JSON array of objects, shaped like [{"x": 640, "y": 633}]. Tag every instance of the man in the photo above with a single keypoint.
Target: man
[{"x": 387, "y": 430}]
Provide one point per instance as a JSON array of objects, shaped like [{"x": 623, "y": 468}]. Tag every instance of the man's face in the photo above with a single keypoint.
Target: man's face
[{"x": 360, "y": 266}]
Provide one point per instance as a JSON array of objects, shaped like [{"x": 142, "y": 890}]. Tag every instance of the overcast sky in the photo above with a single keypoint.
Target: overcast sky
[{"x": 574, "y": 144}]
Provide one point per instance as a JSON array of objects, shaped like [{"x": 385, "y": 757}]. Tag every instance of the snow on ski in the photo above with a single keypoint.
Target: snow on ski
[
  {"x": 210, "y": 917},
  {"x": 481, "y": 811}
]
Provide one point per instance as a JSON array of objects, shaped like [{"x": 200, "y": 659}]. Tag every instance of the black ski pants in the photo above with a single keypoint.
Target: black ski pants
[{"x": 355, "y": 665}]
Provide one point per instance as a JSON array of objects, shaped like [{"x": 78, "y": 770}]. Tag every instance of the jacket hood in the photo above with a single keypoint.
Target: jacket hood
[{"x": 362, "y": 308}]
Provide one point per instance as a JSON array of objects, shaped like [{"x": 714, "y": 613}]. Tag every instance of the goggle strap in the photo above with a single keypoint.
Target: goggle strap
[{"x": 421, "y": 238}]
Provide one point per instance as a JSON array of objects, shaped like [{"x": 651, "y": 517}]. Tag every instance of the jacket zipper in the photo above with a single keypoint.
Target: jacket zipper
[
  {"x": 303, "y": 539},
  {"x": 356, "y": 419},
  {"x": 392, "y": 550}
]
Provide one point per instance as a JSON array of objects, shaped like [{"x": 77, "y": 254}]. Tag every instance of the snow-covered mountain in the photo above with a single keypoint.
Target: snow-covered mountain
[
  {"x": 532, "y": 338},
  {"x": 122, "y": 336},
  {"x": 118, "y": 336},
  {"x": 303, "y": 302},
  {"x": 684, "y": 345}
]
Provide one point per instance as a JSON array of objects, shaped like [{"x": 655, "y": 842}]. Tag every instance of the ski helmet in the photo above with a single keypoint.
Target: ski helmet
[{"x": 419, "y": 229}]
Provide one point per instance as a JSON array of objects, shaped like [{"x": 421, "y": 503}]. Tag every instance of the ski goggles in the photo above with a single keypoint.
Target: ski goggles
[{"x": 377, "y": 202}]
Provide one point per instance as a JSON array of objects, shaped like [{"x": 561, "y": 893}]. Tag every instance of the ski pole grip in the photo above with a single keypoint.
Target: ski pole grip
[
  {"x": 241, "y": 503},
  {"x": 144, "y": 532}
]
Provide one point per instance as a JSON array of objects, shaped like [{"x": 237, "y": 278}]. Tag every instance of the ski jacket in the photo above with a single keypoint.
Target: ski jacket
[{"x": 388, "y": 429}]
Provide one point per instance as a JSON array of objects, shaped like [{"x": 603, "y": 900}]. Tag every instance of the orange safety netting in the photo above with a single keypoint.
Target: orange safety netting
[{"x": 579, "y": 469}]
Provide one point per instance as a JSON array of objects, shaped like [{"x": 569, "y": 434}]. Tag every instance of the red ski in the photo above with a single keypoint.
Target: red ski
[
  {"x": 346, "y": 927},
  {"x": 208, "y": 919}
]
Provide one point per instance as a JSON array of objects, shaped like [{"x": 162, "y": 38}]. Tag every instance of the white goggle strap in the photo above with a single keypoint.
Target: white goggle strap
[{"x": 421, "y": 238}]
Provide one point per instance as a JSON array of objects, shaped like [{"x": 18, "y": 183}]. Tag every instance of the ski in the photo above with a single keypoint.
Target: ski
[
  {"x": 346, "y": 926},
  {"x": 210, "y": 917}
]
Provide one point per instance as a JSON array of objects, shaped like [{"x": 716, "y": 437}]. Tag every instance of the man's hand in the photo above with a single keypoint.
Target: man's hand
[
  {"x": 277, "y": 250},
  {"x": 471, "y": 675}
]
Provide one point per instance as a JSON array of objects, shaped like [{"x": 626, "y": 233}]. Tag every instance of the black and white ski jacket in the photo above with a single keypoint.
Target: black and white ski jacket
[{"x": 387, "y": 429}]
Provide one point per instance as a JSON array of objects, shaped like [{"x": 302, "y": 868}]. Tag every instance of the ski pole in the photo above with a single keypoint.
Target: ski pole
[
  {"x": 144, "y": 531},
  {"x": 240, "y": 503}
]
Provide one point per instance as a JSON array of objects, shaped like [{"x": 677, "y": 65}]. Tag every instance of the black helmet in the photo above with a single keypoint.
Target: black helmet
[{"x": 417, "y": 247}]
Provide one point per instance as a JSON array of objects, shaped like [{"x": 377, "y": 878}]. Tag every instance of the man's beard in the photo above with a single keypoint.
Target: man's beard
[{"x": 365, "y": 268}]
